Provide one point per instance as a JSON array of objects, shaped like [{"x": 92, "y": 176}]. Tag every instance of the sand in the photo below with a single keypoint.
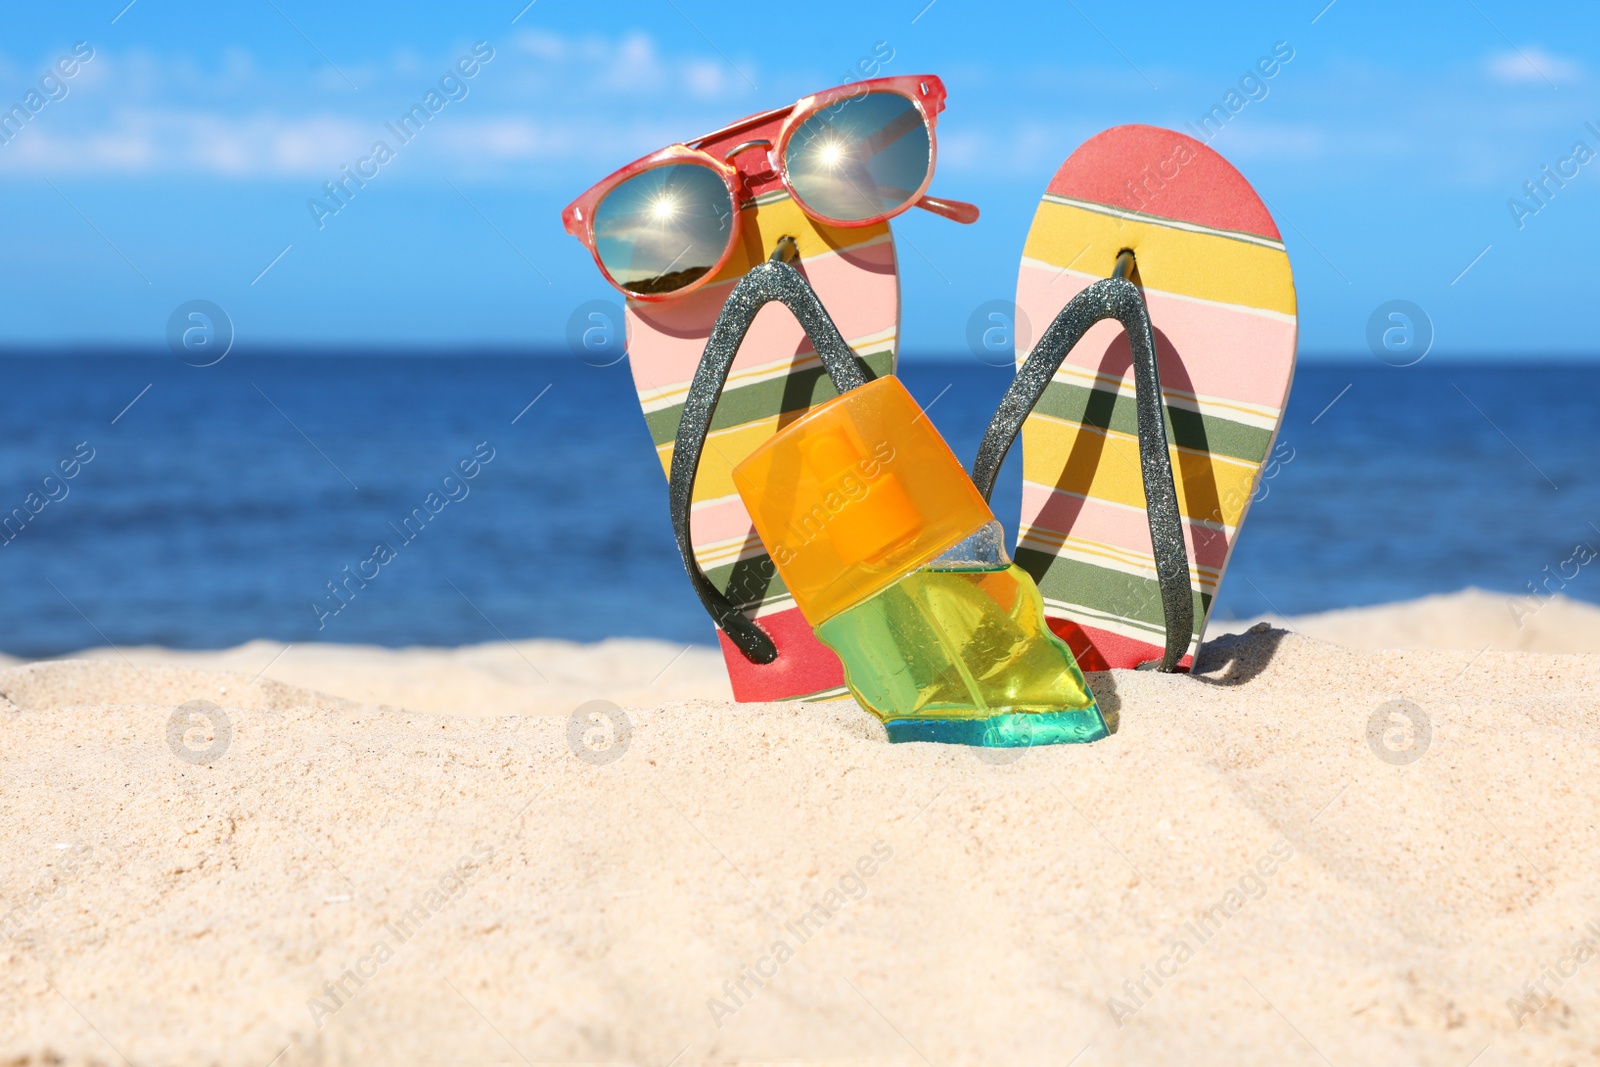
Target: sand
[
  {"x": 553, "y": 677},
  {"x": 1266, "y": 863},
  {"x": 1471, "y": 619},
  {"x": 504, "y": 678}
]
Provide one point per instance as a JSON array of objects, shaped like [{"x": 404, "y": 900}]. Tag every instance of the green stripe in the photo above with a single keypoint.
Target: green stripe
[
  {"x": 1102, "y": 589},
  {"x": 1110, "y": 410},
  {"x": 761, "y": 400}
]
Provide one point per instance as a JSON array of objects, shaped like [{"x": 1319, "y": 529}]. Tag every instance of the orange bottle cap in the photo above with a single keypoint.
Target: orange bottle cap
[{"x": 855, "y": 495}]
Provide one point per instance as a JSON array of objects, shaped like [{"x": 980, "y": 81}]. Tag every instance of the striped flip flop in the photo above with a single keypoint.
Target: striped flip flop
[
  {"x": 776, "y": 378},
  {"x": 1131, "y": 505}
]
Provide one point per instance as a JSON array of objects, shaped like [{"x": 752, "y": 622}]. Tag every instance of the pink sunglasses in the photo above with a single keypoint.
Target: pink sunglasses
[{"x": 854, "y": 155}]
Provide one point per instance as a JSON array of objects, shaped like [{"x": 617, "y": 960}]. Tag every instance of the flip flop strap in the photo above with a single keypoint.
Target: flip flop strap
[
  {"x": 772, "y": 280},
  {"x": 1110, "y": 298}
]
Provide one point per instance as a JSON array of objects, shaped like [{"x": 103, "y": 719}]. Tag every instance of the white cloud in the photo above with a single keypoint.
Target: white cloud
[
  {"x": 315, "y": 147},
  {"x": 709, "y": 81},
  {"x": 633, "y": 66},
  {"x": 1530, "y": 63},
  {"x": 629, "y": 66},
  {"x": 544, "y": 98},
  {"x": 142, "y": 140}
]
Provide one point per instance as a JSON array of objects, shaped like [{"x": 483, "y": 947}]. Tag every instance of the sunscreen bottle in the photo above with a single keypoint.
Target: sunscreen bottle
[{"x": 900, "y": 567}]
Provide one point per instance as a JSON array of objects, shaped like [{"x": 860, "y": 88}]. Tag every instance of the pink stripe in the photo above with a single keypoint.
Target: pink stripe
[
  {"x": 720, "y": 521},
  {"x": 667, "y": 338},
  {"x": 1226, "y": 353},
  {"x": 1099, "y": 520}
]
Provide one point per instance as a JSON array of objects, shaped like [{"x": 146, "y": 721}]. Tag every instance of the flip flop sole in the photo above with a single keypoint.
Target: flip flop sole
[
  {"x": 775, "y": 379},
  {"x": 1218, "y": 286}
]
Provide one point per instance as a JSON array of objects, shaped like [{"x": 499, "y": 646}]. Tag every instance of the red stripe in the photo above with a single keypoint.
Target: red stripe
[
  {"x": 804, "y": 664},
  {"x": 1102, "y": 650},
  {"x": 1137, "y": 168}
]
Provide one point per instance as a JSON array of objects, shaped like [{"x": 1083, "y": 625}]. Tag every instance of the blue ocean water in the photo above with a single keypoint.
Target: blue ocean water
[{"x": 218, "y": 505}]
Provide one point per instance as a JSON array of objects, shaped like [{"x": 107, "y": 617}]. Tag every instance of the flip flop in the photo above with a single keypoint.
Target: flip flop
[
  {"x": 1131, "y": 505},
  {"x": 776, "y": 378}
]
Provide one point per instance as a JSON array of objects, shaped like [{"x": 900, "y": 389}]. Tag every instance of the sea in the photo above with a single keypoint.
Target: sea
[{"x": 201, "y": 507}]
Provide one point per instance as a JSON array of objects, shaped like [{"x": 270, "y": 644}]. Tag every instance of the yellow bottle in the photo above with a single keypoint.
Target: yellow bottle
[{"x": 900, "y": 567}]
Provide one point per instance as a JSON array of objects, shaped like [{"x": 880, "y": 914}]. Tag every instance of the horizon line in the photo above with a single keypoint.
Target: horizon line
[{"x": 548, "y": 351}]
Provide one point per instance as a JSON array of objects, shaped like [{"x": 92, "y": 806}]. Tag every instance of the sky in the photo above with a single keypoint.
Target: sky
[{"x": 181, "y": 159}]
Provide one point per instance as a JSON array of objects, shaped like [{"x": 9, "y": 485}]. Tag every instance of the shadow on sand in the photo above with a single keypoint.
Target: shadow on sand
[{"x": 1237, "y": 659}]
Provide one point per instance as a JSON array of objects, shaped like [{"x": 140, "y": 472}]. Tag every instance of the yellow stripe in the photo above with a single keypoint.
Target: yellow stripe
[
  {"x": 716, "y": 556},
  {"x": 724, "y": 450},
  {"x": 760, "y": 228},
  {"x": 1160, "y": 220},
  {"x": 1105, "y": 465},
  {"x": 830, "y": 695},
  {"x": 1197, "y": 265}
]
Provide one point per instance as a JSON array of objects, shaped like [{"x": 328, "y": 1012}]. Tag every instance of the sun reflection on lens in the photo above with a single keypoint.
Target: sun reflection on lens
[
  {"x": 866, "y": 157},
  {"x": 664, "y": 229}
]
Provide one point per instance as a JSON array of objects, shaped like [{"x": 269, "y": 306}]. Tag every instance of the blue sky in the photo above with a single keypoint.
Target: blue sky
[{"x": 179, "y": 161}]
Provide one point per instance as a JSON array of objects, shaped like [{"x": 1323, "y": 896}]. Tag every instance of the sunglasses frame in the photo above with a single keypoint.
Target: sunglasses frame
[{"x": 925, "y": 91}]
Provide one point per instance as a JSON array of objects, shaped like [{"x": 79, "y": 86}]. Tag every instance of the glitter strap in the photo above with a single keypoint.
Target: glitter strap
[
  {"x": 775, "y": 279},
  {"x": 1112, "y": 298}
]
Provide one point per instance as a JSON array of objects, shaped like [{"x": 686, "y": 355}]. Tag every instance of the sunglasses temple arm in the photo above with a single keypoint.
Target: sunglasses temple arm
[{"x": 955, "y": 210}]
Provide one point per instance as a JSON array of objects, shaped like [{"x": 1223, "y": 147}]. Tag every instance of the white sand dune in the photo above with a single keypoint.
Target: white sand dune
[
  {"x": 1470, "y": 619},
  {"x": 503, "y": 678},
  {"x": 553, "y": 677},
  {"x": 1266, "y": 863}
]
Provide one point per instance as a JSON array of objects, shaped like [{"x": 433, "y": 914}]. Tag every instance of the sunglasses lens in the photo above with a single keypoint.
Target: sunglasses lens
[
  {"x": 860, "y": 158},
  {"x": 664, "y": 229}
]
